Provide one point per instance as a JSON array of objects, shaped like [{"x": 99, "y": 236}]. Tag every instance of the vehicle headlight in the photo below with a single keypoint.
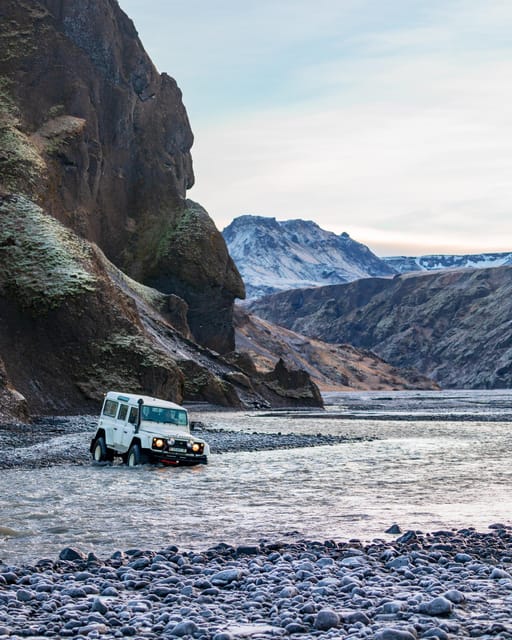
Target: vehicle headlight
[
  {"x": 171, "y": 442},
  {"x": 196, "y": 447},
  {"x": 158, "y": 443}
]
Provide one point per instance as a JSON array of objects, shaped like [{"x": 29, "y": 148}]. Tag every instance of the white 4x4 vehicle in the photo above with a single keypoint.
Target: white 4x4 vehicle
[{"x": 141, "y": 429}]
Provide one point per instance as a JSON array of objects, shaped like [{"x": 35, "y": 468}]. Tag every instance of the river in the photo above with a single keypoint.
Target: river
[{"x": 431, "y": 461}]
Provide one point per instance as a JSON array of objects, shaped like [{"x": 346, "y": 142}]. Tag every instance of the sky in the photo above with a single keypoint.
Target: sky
[{"x": 387, "y": 119}]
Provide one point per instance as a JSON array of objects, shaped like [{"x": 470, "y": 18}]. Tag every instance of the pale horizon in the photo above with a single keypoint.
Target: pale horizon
[{"x": 390, "y": 122}]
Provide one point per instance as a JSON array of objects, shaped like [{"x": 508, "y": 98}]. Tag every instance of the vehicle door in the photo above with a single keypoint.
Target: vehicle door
[
  {"x": 122, "y": 427},
  {"x": 108, "y": 421},
  {"x": 128, "y": 420}
]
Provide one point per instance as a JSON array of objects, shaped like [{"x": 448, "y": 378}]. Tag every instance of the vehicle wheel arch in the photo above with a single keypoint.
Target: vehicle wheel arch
[
  {"x": 135, "y": 440},
  {"x": 99, "y": 434}
]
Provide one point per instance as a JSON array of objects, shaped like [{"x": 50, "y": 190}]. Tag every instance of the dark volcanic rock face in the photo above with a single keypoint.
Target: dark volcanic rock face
[
  {"x": 72, "y": 325},
  {"x": 193, "y": 262},
  {"x": 111, "y": 140},
  {"x": 68, "y": 333},
  {"x": 453, "y": 326}
]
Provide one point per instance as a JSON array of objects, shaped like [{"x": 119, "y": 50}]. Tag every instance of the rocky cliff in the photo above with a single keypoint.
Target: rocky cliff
[
  {"x": 453, "y": 326},
  {"x": 94, "y": 167},
  {"x": 277, "y": 255},
  {"x": 104, "y": 141}
]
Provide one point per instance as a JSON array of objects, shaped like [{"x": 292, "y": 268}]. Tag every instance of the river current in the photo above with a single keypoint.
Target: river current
[{"x": 431, "y": 461}]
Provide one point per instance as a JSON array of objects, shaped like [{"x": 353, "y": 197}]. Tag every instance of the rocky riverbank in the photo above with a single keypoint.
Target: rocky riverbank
[
  {"x": 65, "y": 440},
  {"x": 448, "y": 584}
]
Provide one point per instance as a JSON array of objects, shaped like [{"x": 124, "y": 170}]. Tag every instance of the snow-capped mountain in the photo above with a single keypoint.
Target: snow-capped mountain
[
  {"x": 407, "y": 264},
  {"x": 274, "y": 256}
]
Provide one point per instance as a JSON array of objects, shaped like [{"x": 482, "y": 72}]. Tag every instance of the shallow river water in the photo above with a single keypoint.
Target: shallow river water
[{"x": 427, "y": 469}]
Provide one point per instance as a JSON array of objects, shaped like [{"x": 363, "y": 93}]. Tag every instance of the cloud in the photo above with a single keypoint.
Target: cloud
[{"x": 442, "y": 148}]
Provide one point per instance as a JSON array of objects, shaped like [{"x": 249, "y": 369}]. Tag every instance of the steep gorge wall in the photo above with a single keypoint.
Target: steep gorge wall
[
  {"x": 94, "y": 167},
  {"x": 114, "y": 142}
]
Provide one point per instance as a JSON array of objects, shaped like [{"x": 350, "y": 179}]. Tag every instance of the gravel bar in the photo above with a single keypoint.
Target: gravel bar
[{"x": 65, "y": 440}]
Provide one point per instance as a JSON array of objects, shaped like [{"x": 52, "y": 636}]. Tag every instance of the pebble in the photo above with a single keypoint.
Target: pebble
[{"x": 303, "y": 589}]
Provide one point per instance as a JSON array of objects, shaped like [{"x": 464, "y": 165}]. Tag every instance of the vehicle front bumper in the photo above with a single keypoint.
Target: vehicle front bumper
[{"x": 167, "y": 457}]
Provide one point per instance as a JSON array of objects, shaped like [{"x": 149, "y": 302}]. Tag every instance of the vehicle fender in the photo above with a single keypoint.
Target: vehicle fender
[{"x": 135, "y": 441}]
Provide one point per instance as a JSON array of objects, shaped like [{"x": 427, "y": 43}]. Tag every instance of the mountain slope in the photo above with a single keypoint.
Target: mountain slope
[
  {"x": 435, "y": 262},
  {"x": 273, "y": 256},
  {"x": 453, "y": 326},
  {"x": 333, "y": 367}
]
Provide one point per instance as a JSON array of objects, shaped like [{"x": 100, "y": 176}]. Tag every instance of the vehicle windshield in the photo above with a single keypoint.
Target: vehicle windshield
[{"x": 167, "y": 416}]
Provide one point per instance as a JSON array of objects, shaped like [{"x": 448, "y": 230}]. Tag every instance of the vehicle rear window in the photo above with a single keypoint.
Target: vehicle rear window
[{"x": 110, "y": 408}]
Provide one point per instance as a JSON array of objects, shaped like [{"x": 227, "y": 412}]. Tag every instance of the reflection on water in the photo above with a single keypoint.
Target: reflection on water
[{"x": 424, "y": 475}]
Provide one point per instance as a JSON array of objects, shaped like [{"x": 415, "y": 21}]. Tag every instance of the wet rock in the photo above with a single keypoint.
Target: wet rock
[
  {"x": 500, "y": 574},
  {"x": 99, "y": 606},
  {"x": 394, "y": 529},
  {"x": 184, "y": 628},
  {"x": 455, "y": 596},
  {"x": 439, "y": 606},
  {"x": 463, "y": 558},
  {"x": 23, "y": 595},
  {"x": 225, "y": 577},
  {"x": 326, "y": 619},
  {"x": 72, "y": 555},
  {"x": 395, "y": 634},
  {"x": 437, "y": 633}
]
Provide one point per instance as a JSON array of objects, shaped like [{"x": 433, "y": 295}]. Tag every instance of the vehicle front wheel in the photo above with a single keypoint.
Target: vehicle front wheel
[
  {"x": 100, "y": 451},
  {"x": 135, "y": 456}
]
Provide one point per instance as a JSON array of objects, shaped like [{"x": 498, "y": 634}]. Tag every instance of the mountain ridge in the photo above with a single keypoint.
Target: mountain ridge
[
  {"x": 450, "y": 325},
  {"x": 274, "y": 255},
  {"x": 436, "y": 262}
]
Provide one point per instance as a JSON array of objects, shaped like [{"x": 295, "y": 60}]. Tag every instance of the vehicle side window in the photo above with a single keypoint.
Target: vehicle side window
[
  {"x": 132, "y": 419},
  {"x": 123, "y": 410},
  {"x": 110, "y": 408}
]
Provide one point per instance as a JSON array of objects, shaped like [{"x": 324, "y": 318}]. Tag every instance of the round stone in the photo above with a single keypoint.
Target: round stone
[
  {"x": 437, "y": 607},
  {"x": 326, "y": 619}
]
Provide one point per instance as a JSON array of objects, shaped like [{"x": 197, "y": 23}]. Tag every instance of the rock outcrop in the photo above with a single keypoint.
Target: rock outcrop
[
  {"x": 453, "y": 326},
  {"x": 105, "y": 141},
  {"x": 72, "y": 325}
]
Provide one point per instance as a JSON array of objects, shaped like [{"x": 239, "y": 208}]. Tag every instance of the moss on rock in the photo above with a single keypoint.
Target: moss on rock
[
  {"x": 21, "y": 166},
  {"x": 41, "y": 262}
]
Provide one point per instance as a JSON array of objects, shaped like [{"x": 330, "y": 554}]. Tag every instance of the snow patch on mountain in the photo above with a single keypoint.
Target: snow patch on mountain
[
  {"x": 274, "y": 255},
  {"x": 435, "y": 262}
]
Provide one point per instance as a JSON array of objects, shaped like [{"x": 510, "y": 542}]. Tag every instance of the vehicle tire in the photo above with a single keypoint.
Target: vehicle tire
[
  {"x": 135, "y": 456},
  {"x": 100, "y": 451}
]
